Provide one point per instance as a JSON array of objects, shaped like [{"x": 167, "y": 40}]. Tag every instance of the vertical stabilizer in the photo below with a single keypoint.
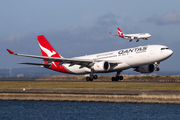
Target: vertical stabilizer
[
  {"x": 48, "y": 51},
  {"x": 119, "y": 31},
  {"x": 46, "y": 48}
]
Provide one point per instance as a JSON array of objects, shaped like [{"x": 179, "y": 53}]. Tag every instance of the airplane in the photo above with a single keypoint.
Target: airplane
[
  {"x": 141, "y": 58},
  {"x": 137, "y": 36}
]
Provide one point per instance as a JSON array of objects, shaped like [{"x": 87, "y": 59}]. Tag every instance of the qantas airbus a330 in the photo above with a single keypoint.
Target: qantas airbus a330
[
  {"x": 141, "y": 58},
  {"x": 136, "y": 36}
]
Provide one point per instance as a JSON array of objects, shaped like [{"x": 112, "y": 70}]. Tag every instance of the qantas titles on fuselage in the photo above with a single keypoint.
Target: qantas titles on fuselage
[
  {"x": 126, "y": 51},
  {"x": 136, "y": 50}
]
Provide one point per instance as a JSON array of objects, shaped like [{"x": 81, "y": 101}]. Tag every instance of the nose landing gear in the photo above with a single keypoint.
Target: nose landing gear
[{"x": 157, "y": 68}]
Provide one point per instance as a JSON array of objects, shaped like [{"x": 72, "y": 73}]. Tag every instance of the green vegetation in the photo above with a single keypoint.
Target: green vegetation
[
  {"x": 134, "y": 78},
  {"x": 135, "y": 82},
  {"x": 96, "y": 85}
]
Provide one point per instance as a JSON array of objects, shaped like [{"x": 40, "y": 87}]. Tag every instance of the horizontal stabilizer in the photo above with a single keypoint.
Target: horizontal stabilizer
[
  {"x": 117, "y": 34},
  {"x": 39, "y": 64}
]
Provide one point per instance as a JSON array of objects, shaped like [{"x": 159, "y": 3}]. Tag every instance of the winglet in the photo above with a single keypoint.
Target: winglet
[
  {"x": 110, "y": 32},
  {"x": 11, "y": 52}
]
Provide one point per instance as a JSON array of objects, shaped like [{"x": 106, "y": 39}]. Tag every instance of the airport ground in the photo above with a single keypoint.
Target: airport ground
[{"x": 167, "y": 91}]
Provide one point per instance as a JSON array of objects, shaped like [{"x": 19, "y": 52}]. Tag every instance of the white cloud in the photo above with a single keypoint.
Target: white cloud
[
  {"x": 169, "y": 18},
  {"x": 108, "y": 19},
  {"x": 13, "y": 37}
]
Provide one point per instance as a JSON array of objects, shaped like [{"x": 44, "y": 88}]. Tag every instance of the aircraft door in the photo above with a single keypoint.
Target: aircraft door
[{"x": 151, "y": 53}]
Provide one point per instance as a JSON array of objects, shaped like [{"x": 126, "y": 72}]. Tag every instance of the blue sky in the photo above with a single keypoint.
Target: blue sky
[{"x": 76, "y": 28}]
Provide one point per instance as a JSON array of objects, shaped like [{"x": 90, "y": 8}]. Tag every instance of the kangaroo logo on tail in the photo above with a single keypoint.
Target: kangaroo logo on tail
[
  {"x": 119, "y": 31},
  {"x": 48, "y": 52},
  {"x": 47, "y": 49}
]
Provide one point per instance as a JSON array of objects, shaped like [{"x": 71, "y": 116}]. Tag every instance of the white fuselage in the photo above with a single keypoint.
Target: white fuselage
[
  {"x": 137, "y": 36},
  {"x": 125, "y": 58}
]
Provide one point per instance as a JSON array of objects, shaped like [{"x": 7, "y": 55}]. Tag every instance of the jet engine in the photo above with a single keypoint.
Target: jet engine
[
  {"x": 145, "y": 68},
  {"x": 132, "y": 38},
  {"x": 101, "y": 66}
]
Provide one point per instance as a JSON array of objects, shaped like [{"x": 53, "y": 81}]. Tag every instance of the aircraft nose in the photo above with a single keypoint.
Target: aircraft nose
[
  {"x": 170, "y": 52},
  {"x": 167, "y": 53}
]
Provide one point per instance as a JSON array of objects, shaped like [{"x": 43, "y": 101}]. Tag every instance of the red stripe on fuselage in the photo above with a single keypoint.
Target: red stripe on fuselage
[{"x": 59, "y": 68}]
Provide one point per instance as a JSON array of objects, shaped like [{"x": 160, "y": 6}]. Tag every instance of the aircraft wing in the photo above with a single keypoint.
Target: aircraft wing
[
  {"x": 126, "y": 36},
  {"x": 114, "y": 34},
  {"x": 71, "y": 61},
  {"x": 118, "y": 35}
]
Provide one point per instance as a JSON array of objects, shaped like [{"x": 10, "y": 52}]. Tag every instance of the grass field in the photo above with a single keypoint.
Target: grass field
[
  {"x": 97, "y": 85},
  {"x": 130, "y": 78}
]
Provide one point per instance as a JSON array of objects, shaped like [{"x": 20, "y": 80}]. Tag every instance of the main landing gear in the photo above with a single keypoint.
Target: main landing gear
[
  {"x": 92, "y": 76},
  {"x": 117, "y": 77}
]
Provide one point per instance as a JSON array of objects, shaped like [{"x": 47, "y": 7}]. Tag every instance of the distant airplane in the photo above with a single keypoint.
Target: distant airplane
[
  {"x": 141, "y": 58},
  {"x": 137, "y": 36}
]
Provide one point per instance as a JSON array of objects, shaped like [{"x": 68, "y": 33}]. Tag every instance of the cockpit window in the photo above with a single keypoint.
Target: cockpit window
[{"x": 164, "y": 48}]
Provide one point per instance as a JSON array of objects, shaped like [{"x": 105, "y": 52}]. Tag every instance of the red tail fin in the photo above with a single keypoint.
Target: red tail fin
[
  {"x": 46, "y": 48},
  {"x": 119, "y": 31}
]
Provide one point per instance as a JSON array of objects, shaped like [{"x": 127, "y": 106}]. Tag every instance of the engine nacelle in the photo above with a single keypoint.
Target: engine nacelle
[
  {"x": 145, "y": 68},
  {"x": 101, "y": 66},
  {"x": 132, "y": 38}
]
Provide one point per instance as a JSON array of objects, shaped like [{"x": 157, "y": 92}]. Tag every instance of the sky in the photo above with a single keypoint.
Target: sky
[{"x": 81, "y": 27}]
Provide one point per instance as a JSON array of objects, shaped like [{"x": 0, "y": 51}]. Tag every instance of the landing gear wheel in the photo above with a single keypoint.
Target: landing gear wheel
[
  {"x": 156, "y": 68},
  {"x": 95, "y": 77},
  {"x": 120, "y": 77},
  {"x": 113, "y": 79},
  {"x": 89, "y": 79},
  {"x": 117, "y": 77}
]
